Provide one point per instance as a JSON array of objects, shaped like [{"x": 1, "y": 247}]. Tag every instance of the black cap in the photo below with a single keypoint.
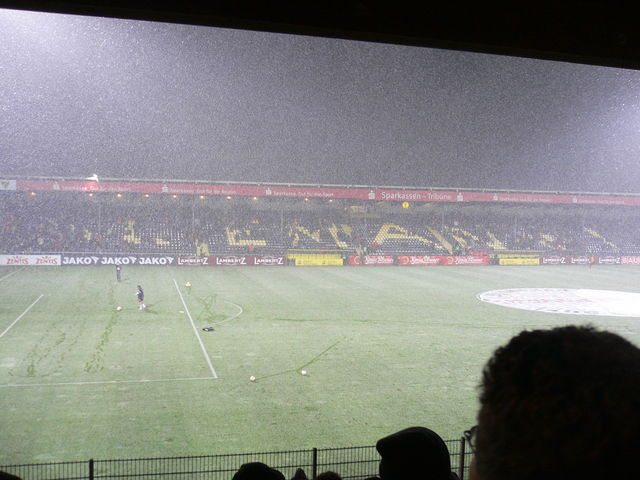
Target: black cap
[{"x": 414, "y": 453}]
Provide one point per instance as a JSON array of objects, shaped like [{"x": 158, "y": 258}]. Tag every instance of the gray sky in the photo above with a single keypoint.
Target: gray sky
[{"x": 147, "y": 100}]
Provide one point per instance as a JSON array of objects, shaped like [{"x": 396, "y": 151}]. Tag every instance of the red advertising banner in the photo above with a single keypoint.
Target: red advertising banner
[
  {"x": 468, "y": 260},
  {"x": 371, "y": 260},
  {"x": 633, "y": 260},
  {"x": 419, "y": 260},
  {"x": 443, "y": 260},
  {"x": 376, "y": 194}
]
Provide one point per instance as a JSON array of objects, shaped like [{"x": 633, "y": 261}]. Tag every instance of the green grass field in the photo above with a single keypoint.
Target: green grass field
[{"x": 384, "y": 347}]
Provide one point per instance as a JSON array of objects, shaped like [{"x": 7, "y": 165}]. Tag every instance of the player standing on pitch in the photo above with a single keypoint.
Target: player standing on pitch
[
  {"x": 118, "y": 273},
  {"x": 140, "y": 294}
]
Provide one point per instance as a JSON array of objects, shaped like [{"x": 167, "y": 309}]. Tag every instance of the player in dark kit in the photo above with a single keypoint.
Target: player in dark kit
[
  {"x": 140, "y": 294},
  {"x": 118, "y": 272}
]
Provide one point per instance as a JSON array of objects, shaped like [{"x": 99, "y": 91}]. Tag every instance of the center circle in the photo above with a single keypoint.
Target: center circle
[{"x": 573, "y": 301}]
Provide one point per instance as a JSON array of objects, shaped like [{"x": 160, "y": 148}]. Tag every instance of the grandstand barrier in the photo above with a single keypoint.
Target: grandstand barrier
[{"x": 351, "y": 463}]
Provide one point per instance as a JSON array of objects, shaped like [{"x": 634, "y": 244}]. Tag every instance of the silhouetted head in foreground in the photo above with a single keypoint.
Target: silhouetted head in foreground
[
  {"x": 414, "y": 453},
  {"x": 257, "y": 471},
  {"x": 560, "y": 404}
]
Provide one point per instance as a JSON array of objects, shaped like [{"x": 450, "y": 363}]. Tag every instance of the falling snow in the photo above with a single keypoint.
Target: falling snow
[{"x": 149, "y": 100}]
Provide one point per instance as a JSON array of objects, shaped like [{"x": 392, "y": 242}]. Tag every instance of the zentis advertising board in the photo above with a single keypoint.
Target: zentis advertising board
[{"x": 31, "y": 260}]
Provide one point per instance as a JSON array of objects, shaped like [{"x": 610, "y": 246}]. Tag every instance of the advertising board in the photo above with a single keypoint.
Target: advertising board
[
  {"x": 630, "y": 260},
  {"x": 89, "y": 260},
  {"x": 467, "y": 260},
  {"x": 580, "y": 260},
  {"x": 371, "y": 260},
  {"x": 266, "y": 260},
  {"x": 316, "y": 259},
  {"x": 519, "y": 261},
  {"x": 192, "y": 260},
  {"x": 554, "y": 260},
  {"x": 31, "y": 260},
  {"x": 245, "y": 260},
  {"x": 443, "y": 260},
  {"x": 419, "y": 260},
  {"x": 610, "y": 260}
]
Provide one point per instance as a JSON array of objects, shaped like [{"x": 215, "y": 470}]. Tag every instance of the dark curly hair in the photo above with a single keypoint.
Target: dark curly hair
[{"x": 560, "y": 404}]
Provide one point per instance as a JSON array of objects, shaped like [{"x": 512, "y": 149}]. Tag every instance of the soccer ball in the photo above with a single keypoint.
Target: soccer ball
[
  {"x": 252, "y": 378},
  {"x": 118, "y": 308},
  {"x": 303, "y": 372}
]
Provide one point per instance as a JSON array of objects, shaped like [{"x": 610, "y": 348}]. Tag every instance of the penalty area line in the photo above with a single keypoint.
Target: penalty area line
[
  {"x": 195, "y": 330},
  {"x": 21, "y": 315},
  {"x": 103, "y": 382}
]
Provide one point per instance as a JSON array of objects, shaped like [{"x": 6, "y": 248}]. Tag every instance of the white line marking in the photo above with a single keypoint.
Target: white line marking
[
  {"x": 9, "y": 274},
  {"x": 195, "y": 330},
  {"x": 103, "y": 382},
  {"x": 21, "y": 315},
  {"x": 231, "y": 317}
]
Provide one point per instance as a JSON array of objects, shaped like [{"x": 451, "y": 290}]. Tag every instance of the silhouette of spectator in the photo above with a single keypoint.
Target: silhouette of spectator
[
  {"x": 8, "y": 476},
  {"x": 560, "y": 404},
  {"x": 257, "y": 471},
  {"x": 328, "y": 476},
  {"x": 299, "y": 475},
  {"x": 414, "y": 453}
]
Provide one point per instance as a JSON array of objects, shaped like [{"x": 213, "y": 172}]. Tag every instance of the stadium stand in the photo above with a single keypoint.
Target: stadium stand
[{"x": 58, "y": 222}]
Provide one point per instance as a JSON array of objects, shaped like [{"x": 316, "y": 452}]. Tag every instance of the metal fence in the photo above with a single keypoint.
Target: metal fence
[{"x": 352, "y": 463}]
